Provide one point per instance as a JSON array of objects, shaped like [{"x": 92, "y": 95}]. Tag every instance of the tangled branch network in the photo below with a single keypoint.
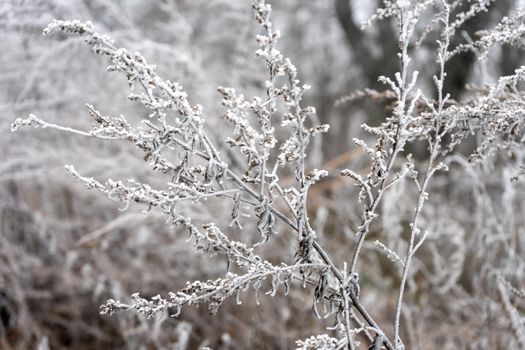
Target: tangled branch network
[{"x": 272, "y": 135}]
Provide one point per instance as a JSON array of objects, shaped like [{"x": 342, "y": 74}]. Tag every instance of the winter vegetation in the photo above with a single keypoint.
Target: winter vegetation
[{"x": 262, "y": 175}]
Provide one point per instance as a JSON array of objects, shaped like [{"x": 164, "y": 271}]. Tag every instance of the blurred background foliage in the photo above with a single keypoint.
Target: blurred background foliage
[{"x": 64, "y": 250}]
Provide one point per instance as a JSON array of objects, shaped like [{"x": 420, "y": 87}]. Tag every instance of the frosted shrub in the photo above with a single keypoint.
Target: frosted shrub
[{"x": 270, "y": 140}]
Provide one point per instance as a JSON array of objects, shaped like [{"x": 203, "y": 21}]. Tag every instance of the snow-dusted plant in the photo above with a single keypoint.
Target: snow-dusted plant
[{"x": 270, "y": 139}]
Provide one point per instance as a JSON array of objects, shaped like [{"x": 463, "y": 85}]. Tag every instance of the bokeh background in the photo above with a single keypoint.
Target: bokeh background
[{"x": 64, "y": 250}]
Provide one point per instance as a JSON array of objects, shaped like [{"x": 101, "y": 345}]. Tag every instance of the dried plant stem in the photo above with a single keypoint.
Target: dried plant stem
[{"x": 435, "y": 148}]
